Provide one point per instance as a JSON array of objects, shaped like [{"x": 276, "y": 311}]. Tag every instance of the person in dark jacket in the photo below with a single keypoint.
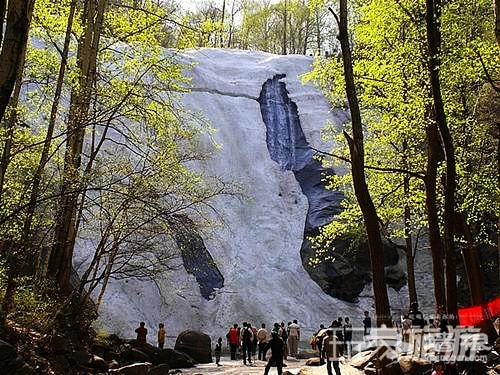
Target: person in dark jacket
[
  {"x": 141, "y": 333},
  {"x": 277, "y": 349}
]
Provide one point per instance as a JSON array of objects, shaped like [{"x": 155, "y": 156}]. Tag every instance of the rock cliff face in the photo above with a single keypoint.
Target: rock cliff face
[{"x": 252, "y": 263}]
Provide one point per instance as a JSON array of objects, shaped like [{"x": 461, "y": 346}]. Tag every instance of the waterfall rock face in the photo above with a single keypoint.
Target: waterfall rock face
[{"x": 249, "y": 265}]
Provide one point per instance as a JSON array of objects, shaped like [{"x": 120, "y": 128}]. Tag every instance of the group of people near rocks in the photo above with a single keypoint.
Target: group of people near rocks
[
  {"x": 142, "y": 332},
  {"x": 282, "y": 341}
]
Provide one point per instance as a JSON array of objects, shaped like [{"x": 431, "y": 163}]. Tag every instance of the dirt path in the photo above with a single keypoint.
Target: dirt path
[{"x": 237, "y": 368}]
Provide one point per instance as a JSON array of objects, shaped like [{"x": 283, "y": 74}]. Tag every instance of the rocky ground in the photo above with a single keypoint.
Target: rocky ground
[{"x": 294, "y": 366}]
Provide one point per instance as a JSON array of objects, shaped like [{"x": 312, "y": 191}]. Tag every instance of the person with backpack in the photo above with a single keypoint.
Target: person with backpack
[
  {"x": 283, "y": 333},
  {"x": 246, "y": 336}
]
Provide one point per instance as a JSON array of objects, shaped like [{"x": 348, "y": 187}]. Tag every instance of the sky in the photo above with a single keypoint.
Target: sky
[{"x": 193, "y": 4}]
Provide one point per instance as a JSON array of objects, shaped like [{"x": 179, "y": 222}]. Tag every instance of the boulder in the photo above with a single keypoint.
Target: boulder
[
  {"x": 134, "y": 369},
  {"x": 307, "y": 353},
  {"x": 80, "y": 357},
  {"x": 174, "y": 359},
  {"x": 414, "y": 365},
  {"x": 99, "y": 364},
  {"x": 135, "y": 355},
  {"x": 361, "y": 359},
  {"x": 313, "y": 362},
  {"x": 195, "y": 344},
  {"x": 11, "y": 363},
  {"x": 162, "y": 369}
]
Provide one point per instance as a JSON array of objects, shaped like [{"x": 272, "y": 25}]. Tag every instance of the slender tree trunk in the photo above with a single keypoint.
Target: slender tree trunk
[
  {"x": 471, "y": 262},
  {"x": 19, "y": 14},
  {"x": 356, "y": 147},
  {"x": 222, "y": 23},
  {"x": 60, "y": 260},
  {"x": 433, "y": 158},
  {"x": 497, "y": 19},
  {"x": 410, "y": 259},
  {"x": 284, "y": 30},
  {"x": 12, "y": 56},
  {"x": 433, "y": 12},
  {"x": 17, "y": 253},
  {"x": 37, "y": 177},
  {"x": 3, "y": 9}
]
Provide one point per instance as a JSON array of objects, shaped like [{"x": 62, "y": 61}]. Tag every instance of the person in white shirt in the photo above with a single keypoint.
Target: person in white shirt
[
  {"x": 293, "y": 338},
  {"x": 263, "y": 337}
]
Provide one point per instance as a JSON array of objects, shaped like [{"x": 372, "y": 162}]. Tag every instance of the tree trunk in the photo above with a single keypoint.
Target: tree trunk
[
  {"x": 410, "y": 267},
  {"x": 222, "y": 23},
  {"x": 3, "y": 9},
  {"x": 12, "y": 58},
  {"x": 471, "y": 262},
  {"x": 61, "y": 257},
  {"x": 356, "y": 147},
  {"x": 16, "y": 36},
  {"x": 37, "y": 177},
  {"x": 433, "y": 158},
  {"x": 497, "y": 19},
  {"x": 284, "y": 31},
  {"x": 433, "y": 13}
]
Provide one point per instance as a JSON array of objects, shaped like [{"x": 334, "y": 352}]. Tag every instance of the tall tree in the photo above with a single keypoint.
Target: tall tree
[
  {"x": 61, "y": 257},
  {"x": 356, "y": 147},
  {"x": 433, "y": 14},
  {"x": 14, "y": 41}
]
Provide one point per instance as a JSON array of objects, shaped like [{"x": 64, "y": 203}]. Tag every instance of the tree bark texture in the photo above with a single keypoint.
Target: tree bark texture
[
  {"x": 61, "y": 257},
  {"x": 434, "y": 153},
  {"x": 356, "y": 147},
  {"x": 410, "y": 259},
  {"x": 471, "y": 261},
  {"x": 19, "y": 14},
  {"x": 497, "y": 19},
  {"x": 433, "y": 13}
]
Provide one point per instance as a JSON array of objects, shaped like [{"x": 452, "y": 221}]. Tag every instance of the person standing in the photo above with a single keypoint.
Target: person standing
[
  {"x": 347, "y": 336},
  {"x": 367, "y": 324},
  {"x": 283, "y": 333},
  {"x": 246, "y": 337},
  {"x": 233, "y": 339},
  {"x": 406, "y": 328},
  {"x": 255, "y": 341},
  {"x": 141, "y": 333},
  {"x": 263, "y": 337},
  {"x": 161, "y": 335},
  {"x": 277, "y": 351},
  {"x": 331, "y": 352},
  {"x": 218, "y": 351},
  {"x": 320, "y": 335},
  {"x": 293, "y": 338}
]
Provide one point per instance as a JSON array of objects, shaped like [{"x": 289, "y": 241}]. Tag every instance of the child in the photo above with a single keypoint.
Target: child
[
  {"x": 217, "y": 351},
  {"x": 161, "y": 335},
  {"x": 438, "y": 369}
]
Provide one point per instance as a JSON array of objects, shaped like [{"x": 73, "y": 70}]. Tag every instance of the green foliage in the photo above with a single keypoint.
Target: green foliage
[
  {"x": 34, "y": 307},
  {"x": 390, "y": 67}
]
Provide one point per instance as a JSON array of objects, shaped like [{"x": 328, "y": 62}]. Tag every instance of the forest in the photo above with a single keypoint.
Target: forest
[{"x": 91, "y": 131}]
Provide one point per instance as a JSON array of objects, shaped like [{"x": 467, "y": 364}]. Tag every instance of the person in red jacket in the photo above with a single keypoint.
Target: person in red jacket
[
  {"x": 141, "y": 333},
  {"x": 233, "y": 339}
]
